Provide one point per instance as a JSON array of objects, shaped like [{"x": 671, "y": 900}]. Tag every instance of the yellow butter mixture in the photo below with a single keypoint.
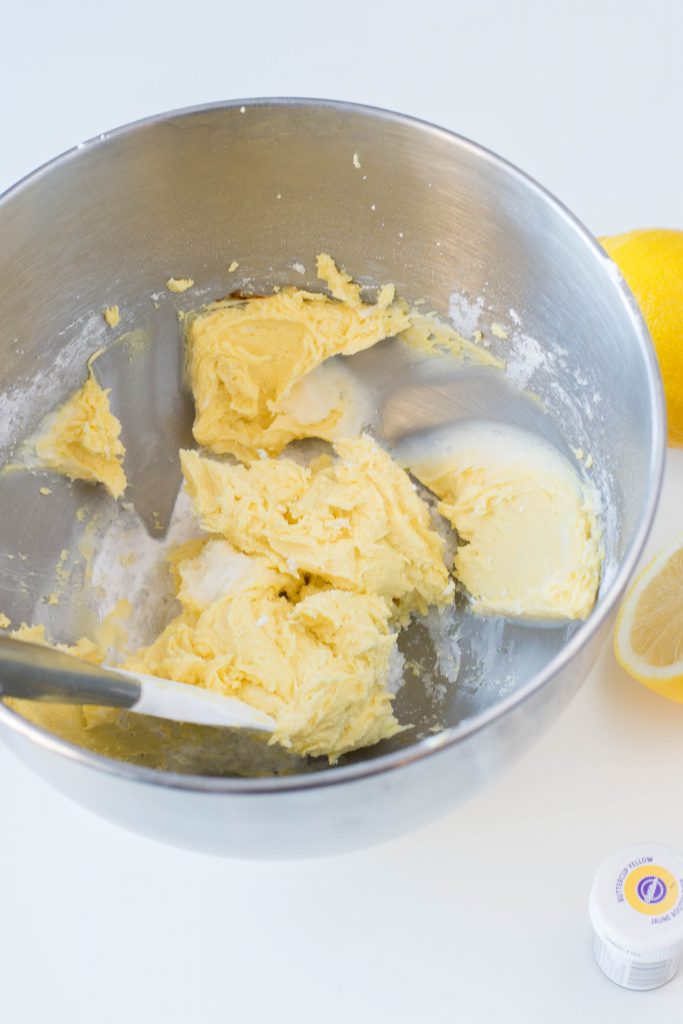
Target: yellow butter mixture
[
  {"x": 316, "y": 659},
  {"x": 354, "y": 522},
  {"x": 245, "y": 357},
  {"x": 81, "y": 439},
  {"x": 529, "y": 531},
  {"x": 295, "y": 608}
]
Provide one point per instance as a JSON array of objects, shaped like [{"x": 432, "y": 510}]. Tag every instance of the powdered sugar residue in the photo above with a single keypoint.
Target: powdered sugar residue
[
  {"x": 465, "y": 314},
  {"x": 527, "y": 355},
  {"x": 396, "y": 669},
  {"x": 444, "y": 626},
  {"x": 24, "y": 404},
  {"x": 131, "y": 565}
]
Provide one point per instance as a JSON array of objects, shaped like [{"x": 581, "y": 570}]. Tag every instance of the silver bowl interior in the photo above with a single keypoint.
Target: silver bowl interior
[{"x": 270, "y": 184}]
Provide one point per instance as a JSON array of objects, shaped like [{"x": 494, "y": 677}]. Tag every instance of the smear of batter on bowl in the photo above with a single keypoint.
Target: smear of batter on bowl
[
  {"x": 84, "y": 648},
  {"x": 529, "y": 526},
  {"x": 54, "y": 717},
  {"x": 428, "y": 333},
  {"x": 81, "y": 439}
]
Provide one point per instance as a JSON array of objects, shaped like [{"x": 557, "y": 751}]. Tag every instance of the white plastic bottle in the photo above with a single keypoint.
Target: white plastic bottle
[{"x": 636, "y": 909}]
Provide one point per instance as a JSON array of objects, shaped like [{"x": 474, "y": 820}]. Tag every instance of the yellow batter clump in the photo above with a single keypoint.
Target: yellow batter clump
[
  {"x": 354, "y": 523},
  {"x": 295, "y": 611},
  {"x": 531, "y": 536},
  {"x": 112, "y": 315},
  {"x": 179, "y": 284},
  {"x": 246, "y": 356},
  {"x": 81, "y": 439},
  {"x": 317, "y": 662}
]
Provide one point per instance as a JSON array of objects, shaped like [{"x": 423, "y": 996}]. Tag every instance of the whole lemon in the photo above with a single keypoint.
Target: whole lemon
[{"x": 651, "y": 260}]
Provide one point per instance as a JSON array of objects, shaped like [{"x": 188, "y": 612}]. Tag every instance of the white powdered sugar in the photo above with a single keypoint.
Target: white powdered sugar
[
  {"x": 465, "y": 314},
  {"x": 130, "y": 565},
  {"x": 394, "y": 680},
  {"x": 214, "y": 572},
  {"x": 444, "y": 626},
  {"x": 527, "y": 355},
  {"x": 25, "y": 403}
]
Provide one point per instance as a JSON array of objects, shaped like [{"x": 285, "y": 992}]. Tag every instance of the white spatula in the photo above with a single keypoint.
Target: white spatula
[{"x": 32, "y": 672}]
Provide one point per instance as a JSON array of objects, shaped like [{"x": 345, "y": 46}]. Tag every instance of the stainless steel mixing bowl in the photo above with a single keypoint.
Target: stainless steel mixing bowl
[{"x": 270, "y": 183}]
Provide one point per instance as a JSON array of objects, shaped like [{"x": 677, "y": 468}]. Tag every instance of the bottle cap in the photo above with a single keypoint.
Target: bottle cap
[{"x": 636, "y": 909}]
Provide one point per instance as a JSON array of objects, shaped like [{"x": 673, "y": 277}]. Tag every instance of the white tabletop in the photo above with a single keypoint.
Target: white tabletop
[{"x": 452, "y": 922}]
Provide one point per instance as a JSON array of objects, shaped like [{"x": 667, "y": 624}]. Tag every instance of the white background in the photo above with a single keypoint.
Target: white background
[{"x": 482, "y": 916}]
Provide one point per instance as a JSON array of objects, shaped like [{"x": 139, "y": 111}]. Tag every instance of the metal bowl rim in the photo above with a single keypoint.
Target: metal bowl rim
[{"x": 468, "y": 727}]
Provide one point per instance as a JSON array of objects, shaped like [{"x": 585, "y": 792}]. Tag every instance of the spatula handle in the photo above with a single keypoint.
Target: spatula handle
[{"x": 32, "y": 672}]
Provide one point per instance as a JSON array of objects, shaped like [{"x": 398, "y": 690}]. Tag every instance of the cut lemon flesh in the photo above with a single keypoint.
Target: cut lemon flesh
[{"x": 648, "y": 638}]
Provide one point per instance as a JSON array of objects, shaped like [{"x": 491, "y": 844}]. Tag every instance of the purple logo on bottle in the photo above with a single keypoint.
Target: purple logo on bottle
[{"x": 651, "y": 889}]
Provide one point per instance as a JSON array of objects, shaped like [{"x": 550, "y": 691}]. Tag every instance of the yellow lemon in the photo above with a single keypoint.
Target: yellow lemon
[
  {"x": 648, "y": 638},
  {"x": 651, "y": 260}
]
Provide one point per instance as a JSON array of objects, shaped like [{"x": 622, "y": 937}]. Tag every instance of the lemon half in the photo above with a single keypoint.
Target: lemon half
[{"x": 648, "y": 637}]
